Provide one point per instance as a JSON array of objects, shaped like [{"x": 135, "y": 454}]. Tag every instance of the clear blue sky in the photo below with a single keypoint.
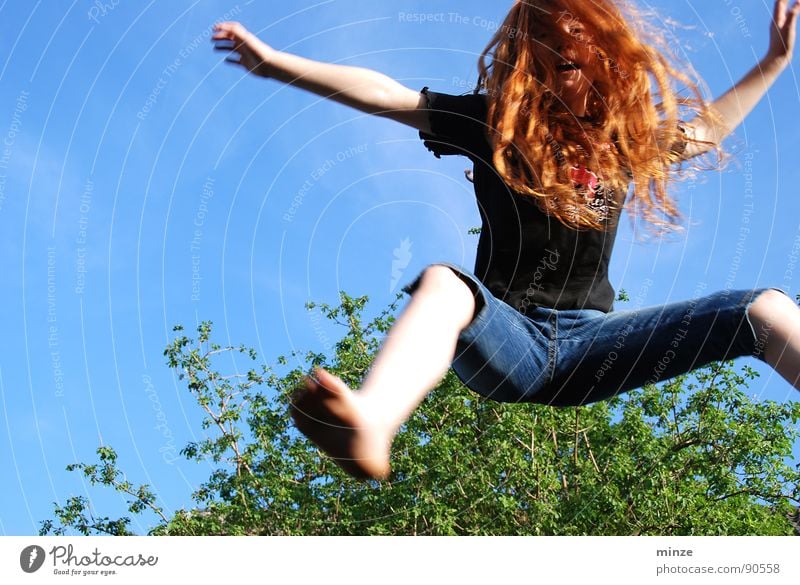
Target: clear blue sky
[{"x": 146, "y": 183}]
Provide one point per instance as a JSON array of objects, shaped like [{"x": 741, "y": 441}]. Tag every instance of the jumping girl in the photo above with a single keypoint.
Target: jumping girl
[{"x": 576, "y": 116}]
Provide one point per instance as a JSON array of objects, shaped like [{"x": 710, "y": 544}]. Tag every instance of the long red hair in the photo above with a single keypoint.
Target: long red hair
[{"x": 634, "y": 107}]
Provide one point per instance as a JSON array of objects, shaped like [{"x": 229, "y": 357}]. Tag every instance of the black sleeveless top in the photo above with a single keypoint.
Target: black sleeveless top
[{"x": 525, "y": 257}]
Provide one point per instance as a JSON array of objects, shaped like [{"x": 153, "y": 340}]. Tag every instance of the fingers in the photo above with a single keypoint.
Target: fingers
[
  {"x": 783, "y": 12},
  {"x": 244, "y": 48},
  {"x": 785, "y": 17},
  {"x": 231, "y": 31},
  {"x": 229, "y": 37},
  {"x": 791, "y": 18},
  {"x": 779, "y": 15}
]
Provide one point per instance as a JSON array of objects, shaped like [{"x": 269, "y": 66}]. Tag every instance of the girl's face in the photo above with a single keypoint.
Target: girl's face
[{"x": 570, "y": 47}]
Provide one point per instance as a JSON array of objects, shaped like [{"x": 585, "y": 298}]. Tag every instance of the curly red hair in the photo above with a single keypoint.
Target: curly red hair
[{"x": 633, "y": 109}]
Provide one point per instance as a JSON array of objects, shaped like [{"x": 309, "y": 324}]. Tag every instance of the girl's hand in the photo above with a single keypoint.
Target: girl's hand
[
  {"x": 783, "y": 31},
  {"x": 253, "y": 54}
]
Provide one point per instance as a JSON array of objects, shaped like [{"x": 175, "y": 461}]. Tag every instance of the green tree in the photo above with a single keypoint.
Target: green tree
[{"x": 693, "y": 456}]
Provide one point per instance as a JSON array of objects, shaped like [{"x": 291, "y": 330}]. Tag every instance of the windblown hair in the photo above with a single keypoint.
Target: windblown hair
[{"x": 632, "y": 125}]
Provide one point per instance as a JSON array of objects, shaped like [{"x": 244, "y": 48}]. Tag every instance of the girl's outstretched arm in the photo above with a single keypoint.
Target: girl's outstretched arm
[
  {"x": 364, "y": 89},
  {"x": 734, "y": 106}
]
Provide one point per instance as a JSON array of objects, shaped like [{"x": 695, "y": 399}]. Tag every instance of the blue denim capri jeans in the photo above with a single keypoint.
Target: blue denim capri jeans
[{"x": 579, "y": 356}]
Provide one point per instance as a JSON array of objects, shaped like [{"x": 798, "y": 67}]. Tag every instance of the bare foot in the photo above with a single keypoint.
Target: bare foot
[{"x": 327, "y": 412}]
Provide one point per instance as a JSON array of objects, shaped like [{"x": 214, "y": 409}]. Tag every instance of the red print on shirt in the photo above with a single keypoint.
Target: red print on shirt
[
  {"x": 583, "y": 177},
  {"x": 592, "y": 187}
]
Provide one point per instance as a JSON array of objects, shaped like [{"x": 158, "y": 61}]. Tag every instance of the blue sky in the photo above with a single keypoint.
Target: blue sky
[{"x": 146, "y": 183}]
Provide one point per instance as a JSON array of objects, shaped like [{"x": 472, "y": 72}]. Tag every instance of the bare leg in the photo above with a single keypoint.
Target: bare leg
[
  {"x": 356, "y": 428},
  {"x": 776, "y": 320}
]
